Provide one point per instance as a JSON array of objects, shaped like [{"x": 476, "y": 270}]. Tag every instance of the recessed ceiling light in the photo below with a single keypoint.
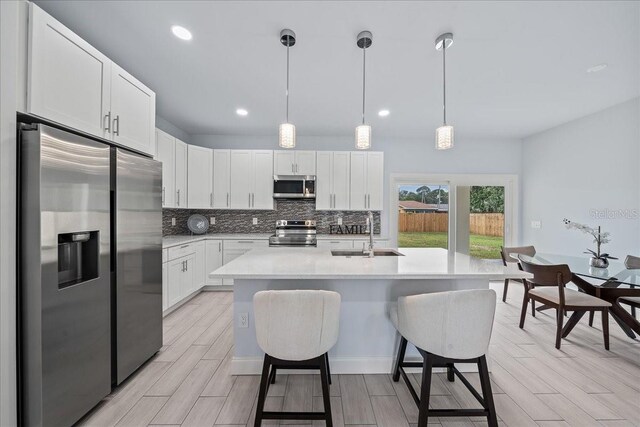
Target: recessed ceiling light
[
  {"x": 383, "y": 113},
  {"x": 181, "y": 32},
  {"x": 596, "y": 68},
  {"x": 242, "y": 112}
]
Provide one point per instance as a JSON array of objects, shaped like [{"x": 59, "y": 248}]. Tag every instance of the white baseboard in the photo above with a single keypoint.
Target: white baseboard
[{"x": 340, "y": 365}]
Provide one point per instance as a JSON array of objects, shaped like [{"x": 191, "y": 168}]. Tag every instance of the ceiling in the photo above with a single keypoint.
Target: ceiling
[{"x": 515, "y": 68}]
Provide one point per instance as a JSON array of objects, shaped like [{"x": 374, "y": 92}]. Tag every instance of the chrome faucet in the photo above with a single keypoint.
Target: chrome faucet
[{"x": 369, "y": 229}]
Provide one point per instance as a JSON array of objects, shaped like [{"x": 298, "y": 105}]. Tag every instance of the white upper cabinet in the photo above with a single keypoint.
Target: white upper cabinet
[
  {"x": 251, "y": 179},
  {"x": 165, "y": 153},
  {"x": 366, "y": 183},
  {"x": 133, "y": 111},
  {"x": 305, "y": 162},
  {"x": 294, "y": 162},
  {"x": 72, "y": 83},
  {"x": 241, "y": 179},
  {"x": 283, "y": 162},
  {"x": 181, "y": 178},
  {"x": 69, "y": 80},
  {"x": 199, "y": 177},
  {"x": 375, "y": 180},
  {"x": 262, "y": 197},
  {"x": 332, "y": 180},
  {"x": 221, "y": 178}
]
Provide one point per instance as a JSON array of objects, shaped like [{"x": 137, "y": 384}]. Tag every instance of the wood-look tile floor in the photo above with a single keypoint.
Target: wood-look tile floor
[{"x": 188, "y": 383}]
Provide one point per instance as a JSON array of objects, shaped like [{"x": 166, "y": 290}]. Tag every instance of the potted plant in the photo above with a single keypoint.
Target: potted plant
[{"x": 599, "y": 260}]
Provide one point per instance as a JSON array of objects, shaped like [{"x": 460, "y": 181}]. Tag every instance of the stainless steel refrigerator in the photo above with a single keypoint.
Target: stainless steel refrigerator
[{"x": 90, "y": 288}]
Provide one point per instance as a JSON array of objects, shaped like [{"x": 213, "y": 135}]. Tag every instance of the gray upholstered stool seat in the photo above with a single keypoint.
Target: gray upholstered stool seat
[
  {"x": 446, "y": 328},
  {"x": 296, "y": 329}
]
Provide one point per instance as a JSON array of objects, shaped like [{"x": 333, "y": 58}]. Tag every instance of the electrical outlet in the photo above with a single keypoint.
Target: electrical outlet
[
  {"x": 535, "y": 224},
  {"x": 243, "y": 320},
  {"x": 173, "y": 221},
  {"x": 212, "y": 220},
  {"x": 255, "y": 221},
  {"x": 339, "y": 220}
]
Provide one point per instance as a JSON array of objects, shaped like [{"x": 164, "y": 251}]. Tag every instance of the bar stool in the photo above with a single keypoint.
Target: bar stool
[
  {"x": 447, "y": 328},
  {"x": 296, "y": 329}
]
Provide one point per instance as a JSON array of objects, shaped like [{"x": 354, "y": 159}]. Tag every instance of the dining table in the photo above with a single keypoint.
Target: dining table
[{"x": 610, "y": 284}]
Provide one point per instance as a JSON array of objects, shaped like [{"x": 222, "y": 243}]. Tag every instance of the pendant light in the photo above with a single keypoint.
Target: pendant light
[
  {"x": 363, "y": 132},
  {"x": 444, "y": 134},
  {"x": 287, "y": 131}
]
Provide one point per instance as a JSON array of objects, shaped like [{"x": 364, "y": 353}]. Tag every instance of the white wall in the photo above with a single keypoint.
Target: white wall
[
  {"x": 590, "y": 164},
  {"x": 12, "y": 85},
  {"x": 401, "y": 155}
]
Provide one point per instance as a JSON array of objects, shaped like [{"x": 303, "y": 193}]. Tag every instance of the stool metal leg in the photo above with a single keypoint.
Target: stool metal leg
[
  {"x": 450, "y": 375},
  {"x": 400, "y": 358},
  {"x": 324, "y": 379},
  {"x": 425, "y": 392},
  {"x": 264, "y": 384},
  {"x": 326, "y": 356},
  {"x": 485, "y": 383}
]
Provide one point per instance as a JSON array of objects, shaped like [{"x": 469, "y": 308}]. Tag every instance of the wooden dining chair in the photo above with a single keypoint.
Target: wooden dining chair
[
  {"x": 632, "y": 263},
  {"x": 505, "y": 253},
  {"x": 551, "y": 291}
]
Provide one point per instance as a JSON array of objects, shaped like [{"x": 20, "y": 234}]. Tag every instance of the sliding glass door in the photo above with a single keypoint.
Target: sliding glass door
[{"x": 470, "y": 214}]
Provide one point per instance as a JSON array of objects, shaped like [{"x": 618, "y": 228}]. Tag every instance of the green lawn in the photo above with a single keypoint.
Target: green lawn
[{"x": 486, "y": 247}]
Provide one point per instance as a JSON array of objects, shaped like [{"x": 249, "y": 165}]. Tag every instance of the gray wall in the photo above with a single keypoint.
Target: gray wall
[
  {"x": 402, "y": 155},
  {"x": 172, "y": 129},
  {"x": 579, "y": 171}
]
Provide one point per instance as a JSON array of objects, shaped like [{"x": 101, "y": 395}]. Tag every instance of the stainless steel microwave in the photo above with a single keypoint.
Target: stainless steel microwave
[{"x": 294, "y": 186}]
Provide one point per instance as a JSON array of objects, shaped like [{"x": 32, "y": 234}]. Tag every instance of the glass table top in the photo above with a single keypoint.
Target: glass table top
[{"x": 616, "y": 272}]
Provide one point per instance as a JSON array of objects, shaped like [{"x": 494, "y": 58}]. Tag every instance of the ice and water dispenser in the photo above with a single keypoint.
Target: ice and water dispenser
[{"x": 78, "y": 256}]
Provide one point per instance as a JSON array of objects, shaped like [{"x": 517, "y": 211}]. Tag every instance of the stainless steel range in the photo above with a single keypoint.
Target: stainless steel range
[{"x": 294, "y": 233}]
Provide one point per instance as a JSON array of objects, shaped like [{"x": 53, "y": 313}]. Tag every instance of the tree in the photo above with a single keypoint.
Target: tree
[
  {"x": 487, "y": 199},
  {"x": 423, "y": 192}
]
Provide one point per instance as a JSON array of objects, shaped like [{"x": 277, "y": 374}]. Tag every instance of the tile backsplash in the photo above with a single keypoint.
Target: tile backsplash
[{"x": 241, "y": 221}]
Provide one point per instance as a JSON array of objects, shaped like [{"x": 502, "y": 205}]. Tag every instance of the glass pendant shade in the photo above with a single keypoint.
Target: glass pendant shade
[
  {"x": 287, "y": 135},
  {"x": 444, "y": 137},
  {"x": 363, "y": 137}
]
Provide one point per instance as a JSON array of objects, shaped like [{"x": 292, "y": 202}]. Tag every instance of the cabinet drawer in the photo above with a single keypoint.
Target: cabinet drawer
[
  {"x": 246, "y": 244},
  {"x": 181, "y": 250}
]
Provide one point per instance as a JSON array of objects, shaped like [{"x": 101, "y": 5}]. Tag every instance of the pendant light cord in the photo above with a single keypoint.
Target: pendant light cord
[
  {"x": 364, "y": 76},
  {"x": 288, "y": 47},
  {"x": 444, "y": 82}
]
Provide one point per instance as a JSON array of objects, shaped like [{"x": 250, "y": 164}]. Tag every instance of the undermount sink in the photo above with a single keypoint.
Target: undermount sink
[{"x": 360, "y": 253}]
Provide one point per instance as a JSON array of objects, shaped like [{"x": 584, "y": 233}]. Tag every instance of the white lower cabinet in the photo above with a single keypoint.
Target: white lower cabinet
[
  {"x": 200, "y": 261},
  {"x": 165, "y": 283},
  {"x": 213, "y": 261}
]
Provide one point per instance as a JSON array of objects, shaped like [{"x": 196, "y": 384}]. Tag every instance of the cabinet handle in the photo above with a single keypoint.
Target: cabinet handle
[
  {"x": 365, "y": 200},
  {"x": 245, "y": 241},
  {"x": 184, "y": 246},
  {"x": 163, "y": 195},
  {"x": 253, "y": 200},
  {"x": 186, "y": 265},
  {"x": 108, "y": 119},
  {"x": 211, "y": 199},
  {"x": 368, "y": 200},
  {"x": 116, "y": 130},
  {"x": 227, "y": 199},
  {"x": 183, "y": 266},
  {"x": 249, "y": 199},
  {"x": 296, "y": 168},
  {"x": 219, "y": 246},
  {"x": 178, "y": 202},
  {"x": 292, "y": 169}
]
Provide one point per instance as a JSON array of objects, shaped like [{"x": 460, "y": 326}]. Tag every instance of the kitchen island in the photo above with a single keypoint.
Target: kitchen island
[{"x": 367, "y": 341}]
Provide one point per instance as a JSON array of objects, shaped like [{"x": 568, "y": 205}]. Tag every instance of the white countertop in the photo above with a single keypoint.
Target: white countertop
[
  {"x": 169, "y": 241},
  {"x": 313, "y": 263}
]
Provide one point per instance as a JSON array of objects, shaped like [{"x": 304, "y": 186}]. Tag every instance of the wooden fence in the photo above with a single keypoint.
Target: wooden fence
[{"x": 485, "y": 224}]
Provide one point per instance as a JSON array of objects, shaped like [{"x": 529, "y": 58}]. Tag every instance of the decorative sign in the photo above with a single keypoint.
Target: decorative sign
[{"x": 347, "y": 229}]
